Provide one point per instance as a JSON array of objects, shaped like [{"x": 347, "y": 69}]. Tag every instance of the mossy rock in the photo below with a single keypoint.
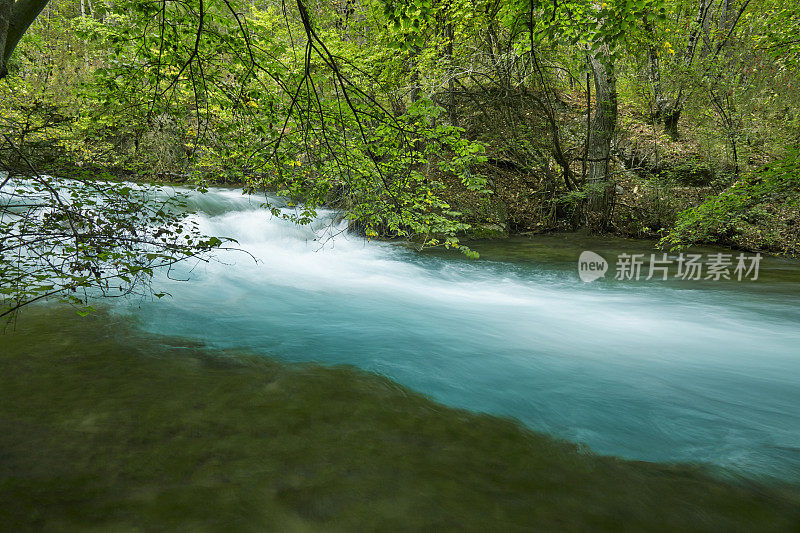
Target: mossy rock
[{"x": 488, "y": 231}]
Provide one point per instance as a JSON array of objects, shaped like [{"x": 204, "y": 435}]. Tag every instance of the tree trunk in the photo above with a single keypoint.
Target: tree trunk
[
  {"x": 413, "y": 65},
  {"x": 5, "y": 19},
  {"x": 85, "y": 41},
  {"x": 654, "y": 74},
  {"x": 600, "y": 189},
  {"x": 668, "y": 109},
  {"x": 15, "y": 18},
  {"x": 671, "y": 115},
  {"x": 451, "y": 98}
]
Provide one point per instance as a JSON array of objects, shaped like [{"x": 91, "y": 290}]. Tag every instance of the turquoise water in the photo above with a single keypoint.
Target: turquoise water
[{"x": 662, "y": 371}]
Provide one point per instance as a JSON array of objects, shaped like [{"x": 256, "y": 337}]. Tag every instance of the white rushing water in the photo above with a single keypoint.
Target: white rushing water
[{"x": 645, "y": 371}]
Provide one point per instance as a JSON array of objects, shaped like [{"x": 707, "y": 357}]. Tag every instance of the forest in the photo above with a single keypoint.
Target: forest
[
  {"x": 247, "y": 195},
  {"x": 424, "y": 121}
]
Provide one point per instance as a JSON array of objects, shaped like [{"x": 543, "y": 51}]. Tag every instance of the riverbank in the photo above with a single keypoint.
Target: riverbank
[
  {"x": 650, "y": 208},
  {"x": 104, "y": 427}
]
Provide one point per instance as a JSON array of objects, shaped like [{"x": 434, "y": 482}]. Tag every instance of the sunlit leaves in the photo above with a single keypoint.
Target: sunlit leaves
[{"x": 585, "y": 23}]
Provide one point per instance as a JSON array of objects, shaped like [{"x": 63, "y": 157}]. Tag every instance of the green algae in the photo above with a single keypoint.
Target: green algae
[{"x": 104, "y": 428}]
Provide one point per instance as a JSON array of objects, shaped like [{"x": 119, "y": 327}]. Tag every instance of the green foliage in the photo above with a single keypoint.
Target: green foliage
[
  {"x": 779, "y": 39},
  {"x": 387, "y": 180},
  {"x": 726, "y": 216},
  {"x": 691, "y": 171},
  {"x": 589, "y": 25}
]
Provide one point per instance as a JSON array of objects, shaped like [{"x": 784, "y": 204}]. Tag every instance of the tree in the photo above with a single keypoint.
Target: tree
[
  {"x": 600, "y": 190},
  {"x": 603, "y": 31},
  {"x": 199, "y": 75},
  {"x": 707, "y": 35}
]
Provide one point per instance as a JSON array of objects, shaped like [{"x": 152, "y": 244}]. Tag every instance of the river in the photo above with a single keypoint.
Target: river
[{"x": 676, "y": 371}]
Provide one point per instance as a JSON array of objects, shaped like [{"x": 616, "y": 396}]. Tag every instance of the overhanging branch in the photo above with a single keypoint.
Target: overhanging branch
[{"x": 14, "y": 22}]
